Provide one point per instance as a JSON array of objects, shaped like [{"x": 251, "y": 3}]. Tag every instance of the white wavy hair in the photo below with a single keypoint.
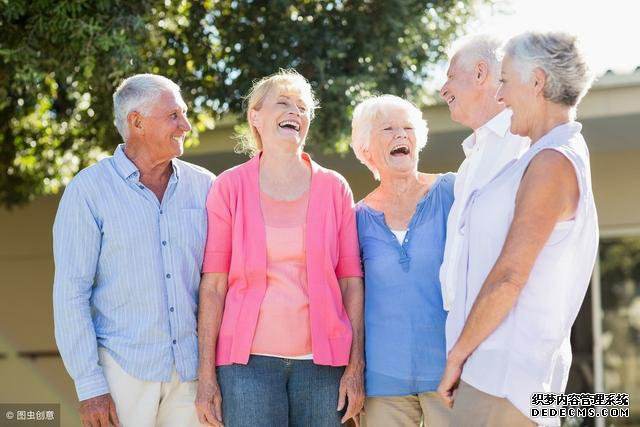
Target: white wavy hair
[
  {"x": 370, "y": 110},
  {"x": 559, "y": 56},
  {"x": 137, "y": 93}
]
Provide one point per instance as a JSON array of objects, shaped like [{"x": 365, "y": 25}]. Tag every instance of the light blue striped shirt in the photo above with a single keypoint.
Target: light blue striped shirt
[{"x": 127, "y": 272}]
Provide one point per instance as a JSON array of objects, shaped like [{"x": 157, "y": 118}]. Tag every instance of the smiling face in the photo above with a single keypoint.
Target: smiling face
[
  {"x": 163, "y": 129},
  {"x": 392, "y": 148},
  {"x": 282, "y": 119},
  {"x": 523, "y": 98},
  {"x": 460, "y": 92}
]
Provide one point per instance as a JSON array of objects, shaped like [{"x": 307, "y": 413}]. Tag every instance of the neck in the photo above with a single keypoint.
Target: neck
[
  {"x": 148, "y": 166},
  {"x": 487, "y": 110},
  {"x": 282, "y": 165},
  {"x": 551, "y": 116},
  {"x": 398, "y": 185}
]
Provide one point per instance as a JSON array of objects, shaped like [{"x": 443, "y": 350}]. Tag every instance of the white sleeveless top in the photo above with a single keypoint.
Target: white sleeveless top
[{"x": 530, "y": 351}]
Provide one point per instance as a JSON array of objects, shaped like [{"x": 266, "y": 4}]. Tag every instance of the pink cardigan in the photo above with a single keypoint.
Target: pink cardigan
[{"x": 236, "y": 244}]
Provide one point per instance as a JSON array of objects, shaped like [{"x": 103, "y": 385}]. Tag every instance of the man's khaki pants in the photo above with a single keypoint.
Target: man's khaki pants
[
  {"x": 474, "y": 408},
  {"x": 401, "y": 411},
  {"x": 146, "y": 403}
]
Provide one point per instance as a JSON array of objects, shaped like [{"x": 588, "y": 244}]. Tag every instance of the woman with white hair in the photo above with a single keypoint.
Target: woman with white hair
[
  {"x": 280, "y": 321},
  {"x": 531, "y": 237},
  {"x": 401, "y": 228}
]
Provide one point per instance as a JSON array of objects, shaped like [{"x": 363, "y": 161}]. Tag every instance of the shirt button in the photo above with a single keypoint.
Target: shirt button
[
  {"x": 174, "y": 341},
  {"x": 171, "y": 309},
  {"x": 164, "y": 243},
  {"x": 168, "y": 276},
  {"x": 160, "y": 211}
]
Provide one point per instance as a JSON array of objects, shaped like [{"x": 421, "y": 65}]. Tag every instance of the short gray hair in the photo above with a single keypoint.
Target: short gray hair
[
  {"x": 368, "y": 111},
  {"x": 137, "y": 93},
  {"x": 559, "y": 56},
  {"x": 479, "y": 47}
]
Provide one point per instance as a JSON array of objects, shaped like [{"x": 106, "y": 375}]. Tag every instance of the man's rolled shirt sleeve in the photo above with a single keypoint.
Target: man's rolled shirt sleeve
[{"x": 76, "y": 249}]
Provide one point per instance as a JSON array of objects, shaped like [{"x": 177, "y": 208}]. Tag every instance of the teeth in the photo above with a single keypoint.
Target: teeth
[
  {"x": 396, "y": 147},
  {"x": 291, "y": 123}
]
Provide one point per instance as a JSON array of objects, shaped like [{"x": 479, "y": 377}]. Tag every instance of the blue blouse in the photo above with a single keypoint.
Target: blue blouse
[{"x": 404, "y": 316}]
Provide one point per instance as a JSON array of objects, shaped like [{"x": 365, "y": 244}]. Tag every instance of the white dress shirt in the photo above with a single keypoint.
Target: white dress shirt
[{"x": 487, "y": 151}]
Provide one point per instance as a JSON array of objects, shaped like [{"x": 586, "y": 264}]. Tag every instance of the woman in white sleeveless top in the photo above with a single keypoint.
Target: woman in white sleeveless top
[{"x": 530, "y": 238}]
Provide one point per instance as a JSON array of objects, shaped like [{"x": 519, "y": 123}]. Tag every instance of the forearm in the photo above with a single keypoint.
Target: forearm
[
  {"x": 495, "y": 300},
  {"x": 353, "y": 300},
  {"x": 210, "y": 313},
  {"x": 76, "y": 338}
]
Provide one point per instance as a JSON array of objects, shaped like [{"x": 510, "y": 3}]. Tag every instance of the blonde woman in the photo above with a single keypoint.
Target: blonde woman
[{"x": 281, "y": 296}]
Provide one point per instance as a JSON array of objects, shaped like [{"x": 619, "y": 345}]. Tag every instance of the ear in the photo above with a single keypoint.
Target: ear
[
  {"x": 254, "y": 118},
  {"x": 539, "y": 80},
  {"x": 480, "y": 72},
  {"x": 367, "y": 155},
  {"x": 135, "y": 121}
]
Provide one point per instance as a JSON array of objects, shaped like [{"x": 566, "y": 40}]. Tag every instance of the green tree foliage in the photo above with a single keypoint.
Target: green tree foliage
[{"x": 60, "y": 62}]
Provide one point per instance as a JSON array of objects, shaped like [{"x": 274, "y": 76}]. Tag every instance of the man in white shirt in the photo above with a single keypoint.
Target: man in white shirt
[{"x": 470, "y": 92}]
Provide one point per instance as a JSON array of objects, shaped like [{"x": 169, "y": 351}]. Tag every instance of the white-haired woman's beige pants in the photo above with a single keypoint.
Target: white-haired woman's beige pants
[
  {"x": 409, "y": 411},
  {"x": 146, "y": 403}
]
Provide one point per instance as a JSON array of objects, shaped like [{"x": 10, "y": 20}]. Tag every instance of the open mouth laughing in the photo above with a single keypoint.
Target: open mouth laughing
[
  {"x": 400, "y": 150},
  {"x": 290, "y": 124}
]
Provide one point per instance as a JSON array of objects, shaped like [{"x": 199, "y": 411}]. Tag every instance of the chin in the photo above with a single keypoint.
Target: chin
[{"x": 518, "y": 131}]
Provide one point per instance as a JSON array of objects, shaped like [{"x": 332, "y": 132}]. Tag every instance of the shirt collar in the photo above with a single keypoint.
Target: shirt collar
[
  {"x": 129, "y": 171},
  {"x": 125, "y": 167},
  {"x": 498, "y": 125}
]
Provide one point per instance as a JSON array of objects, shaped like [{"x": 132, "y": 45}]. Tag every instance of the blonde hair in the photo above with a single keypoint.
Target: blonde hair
[{"x": 249, "y": 140}]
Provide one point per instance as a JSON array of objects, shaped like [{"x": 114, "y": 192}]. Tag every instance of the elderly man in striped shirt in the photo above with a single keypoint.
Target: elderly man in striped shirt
[{"x": 128, "y": 244}]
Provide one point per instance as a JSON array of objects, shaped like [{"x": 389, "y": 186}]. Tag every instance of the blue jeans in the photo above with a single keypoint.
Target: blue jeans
[{"x": 270, "y": 391}]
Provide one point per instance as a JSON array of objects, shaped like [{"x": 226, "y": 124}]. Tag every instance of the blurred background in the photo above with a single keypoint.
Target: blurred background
[{"x": 60, "y": 61}]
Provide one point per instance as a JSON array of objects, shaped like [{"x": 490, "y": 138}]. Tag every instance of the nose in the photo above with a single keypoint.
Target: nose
[
  {"x": 499, "y": 94},
  {"x": 443, "y": 92},
  {"x": 296, "y": 110},
  {"x": 401, "y": 133},
  {"x": 184, "y": 124}
]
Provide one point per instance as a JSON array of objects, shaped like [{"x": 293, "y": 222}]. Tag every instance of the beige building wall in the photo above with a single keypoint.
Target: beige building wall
[{"x": 30, "y": 371}]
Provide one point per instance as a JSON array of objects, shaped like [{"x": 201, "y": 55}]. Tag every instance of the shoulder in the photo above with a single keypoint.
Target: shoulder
[
  {"x": 550, "y": 164},
  {"x": 551, "y": 172},
  {"x": 332, "y": 178},
  {"x": 91, "y": 178},
  {"x": 195, "y": 171},
  {"x": 445, "y": 183},
  {"x": 232, "y": 177}
]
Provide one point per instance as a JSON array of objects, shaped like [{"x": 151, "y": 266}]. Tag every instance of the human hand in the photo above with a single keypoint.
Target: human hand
[{"x": 99, "y": 411}]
